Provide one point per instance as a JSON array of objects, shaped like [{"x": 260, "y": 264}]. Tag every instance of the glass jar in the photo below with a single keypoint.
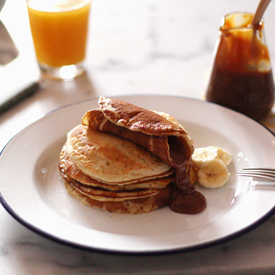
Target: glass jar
[{"x": 241, "y": 75}]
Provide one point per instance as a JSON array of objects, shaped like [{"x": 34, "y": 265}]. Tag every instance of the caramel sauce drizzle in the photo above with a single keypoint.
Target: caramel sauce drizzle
[{"x": 184, "y": 198}]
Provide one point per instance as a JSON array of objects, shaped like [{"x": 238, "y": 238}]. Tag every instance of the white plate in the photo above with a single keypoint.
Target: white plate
[{"x": 33, "y": 192}]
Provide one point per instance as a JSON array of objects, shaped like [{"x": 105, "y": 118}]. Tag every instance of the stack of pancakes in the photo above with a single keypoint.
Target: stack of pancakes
[{"x": 118, "y": 159}]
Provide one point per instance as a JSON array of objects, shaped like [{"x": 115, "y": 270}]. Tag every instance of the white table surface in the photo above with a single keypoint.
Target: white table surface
[{"x": 159, "y": 47}]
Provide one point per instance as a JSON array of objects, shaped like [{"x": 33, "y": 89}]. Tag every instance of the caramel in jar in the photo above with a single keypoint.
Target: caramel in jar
[{"x": 241, "y": 76}]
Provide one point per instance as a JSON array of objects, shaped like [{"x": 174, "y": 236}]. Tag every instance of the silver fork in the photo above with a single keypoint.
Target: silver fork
[{"x": 260, "y": 173}]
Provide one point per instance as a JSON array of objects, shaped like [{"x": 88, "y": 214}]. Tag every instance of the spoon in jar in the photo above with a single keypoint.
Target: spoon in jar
[{"x": 259, "y": 12}]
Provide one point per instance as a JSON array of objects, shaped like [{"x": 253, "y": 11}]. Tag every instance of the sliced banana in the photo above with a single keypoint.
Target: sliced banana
[
  {"x": 213, "y": 175},
  {"x": 204, "y": 156}
]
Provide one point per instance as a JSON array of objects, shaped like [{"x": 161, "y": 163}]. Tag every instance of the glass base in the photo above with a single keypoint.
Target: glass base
[{"x": 67, "y": 72}]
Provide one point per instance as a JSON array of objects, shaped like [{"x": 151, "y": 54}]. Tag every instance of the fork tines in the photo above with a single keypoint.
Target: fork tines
[{"x": 262, "y": 173}]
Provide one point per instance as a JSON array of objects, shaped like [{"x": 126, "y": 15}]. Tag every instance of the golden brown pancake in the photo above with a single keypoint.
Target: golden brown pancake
[
  {"x": 111, "y": 173},
  {"x": 73, "y": 172},
  {"x": 129, "y": 206},
  {"x": 110, "y": 159},
  {"x": 153, "y": 131},
  {"x": 128, "y": 202},
  {"x": 107, "y": 195}
]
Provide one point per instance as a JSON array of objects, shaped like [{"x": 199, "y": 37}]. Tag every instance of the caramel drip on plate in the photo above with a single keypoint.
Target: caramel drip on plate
[{"x": 184, "y": 198}]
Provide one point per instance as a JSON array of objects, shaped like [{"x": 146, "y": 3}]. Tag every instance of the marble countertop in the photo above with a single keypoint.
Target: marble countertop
[{"x": 135, "y": 47}]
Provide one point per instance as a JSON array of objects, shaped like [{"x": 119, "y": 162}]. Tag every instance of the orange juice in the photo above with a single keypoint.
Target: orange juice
[{"x": 59, "y": 30}]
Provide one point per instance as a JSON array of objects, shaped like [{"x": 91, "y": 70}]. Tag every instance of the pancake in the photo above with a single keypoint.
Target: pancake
[
  {"x": 128, "y": 206},
  {"x": 136, "y": 201},
  {"x": 73, "y": 172},
  {"x": 113, "y": 174},
  {"x": 155, "y": 132},
  {"x": 106, "y": 195},
  {"x": 110, "y": 159}
]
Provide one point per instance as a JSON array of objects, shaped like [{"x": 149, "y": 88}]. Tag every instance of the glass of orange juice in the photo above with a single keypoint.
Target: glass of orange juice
[{"x": 59, "y": 30}]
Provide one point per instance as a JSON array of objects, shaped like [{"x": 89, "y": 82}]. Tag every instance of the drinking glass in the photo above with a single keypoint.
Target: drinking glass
[{"x": 59, "y": 29}]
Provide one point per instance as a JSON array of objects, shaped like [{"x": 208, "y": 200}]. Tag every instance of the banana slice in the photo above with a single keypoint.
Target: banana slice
[
  {"x": 213, "y": 175},
  {"x": 204, "y": 156}
]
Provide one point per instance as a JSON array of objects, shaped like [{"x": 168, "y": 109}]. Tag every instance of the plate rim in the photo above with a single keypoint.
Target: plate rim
[{"x": 40, "y": 232}]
